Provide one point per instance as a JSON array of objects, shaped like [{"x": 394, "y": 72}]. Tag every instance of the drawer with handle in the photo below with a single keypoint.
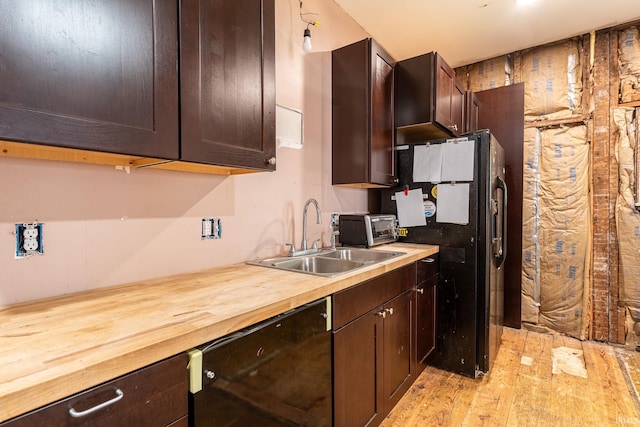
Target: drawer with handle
[{"x": 152, "y": 396}]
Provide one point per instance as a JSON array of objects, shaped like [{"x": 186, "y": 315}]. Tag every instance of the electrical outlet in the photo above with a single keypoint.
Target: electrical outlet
[
  {"x": 29, "y": 239},
  {"x": 211, "y": 228},
  {"x": 335, "y": 219}
]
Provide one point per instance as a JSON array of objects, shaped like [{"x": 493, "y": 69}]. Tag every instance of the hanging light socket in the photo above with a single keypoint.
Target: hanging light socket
[{"x": 306, "y": 43}]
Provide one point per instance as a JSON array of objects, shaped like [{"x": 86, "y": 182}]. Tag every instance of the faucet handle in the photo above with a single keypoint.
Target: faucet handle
[
  {"x": 314, "y": 245},
  {"x": 334, "y": 234},
  {"x": 292, "y": 248}
]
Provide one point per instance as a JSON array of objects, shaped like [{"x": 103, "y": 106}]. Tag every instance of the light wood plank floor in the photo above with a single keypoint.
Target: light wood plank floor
[{"x": 529, "y": 386}]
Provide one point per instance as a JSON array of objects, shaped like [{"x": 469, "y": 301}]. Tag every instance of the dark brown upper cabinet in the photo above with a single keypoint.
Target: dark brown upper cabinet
[
  {"x": 472, "y": 111},
  {"x": 227, "y": 82},
  {"x": 106, "y": 77},
  {"x": 429, "y": 99},
  {"x": 99, "y": 75},
  {"x": 362, "y": 116}
]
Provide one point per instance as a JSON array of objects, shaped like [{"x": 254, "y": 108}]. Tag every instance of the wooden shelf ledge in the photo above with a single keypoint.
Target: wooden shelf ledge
[{"x": 45, "y": 152}]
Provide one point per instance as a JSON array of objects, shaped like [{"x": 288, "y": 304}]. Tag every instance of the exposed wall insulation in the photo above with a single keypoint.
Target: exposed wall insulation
[
  {"x": 490, "y": 74},
  {"x": 557, "y": 229},
  {"x": 629, "y": 64},
  {"x": 635, "y": 182},
  {"x": 553, "y": 81},
  {"x": 628, "y": 219},
  {"x": 530, "y": 222}
]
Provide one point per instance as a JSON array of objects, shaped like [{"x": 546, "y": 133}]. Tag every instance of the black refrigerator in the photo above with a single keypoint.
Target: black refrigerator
[{"x": 470, "y": 229}]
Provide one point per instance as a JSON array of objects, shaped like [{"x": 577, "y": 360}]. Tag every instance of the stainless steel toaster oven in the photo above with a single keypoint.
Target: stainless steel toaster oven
[{"x": 367, "y": 230}]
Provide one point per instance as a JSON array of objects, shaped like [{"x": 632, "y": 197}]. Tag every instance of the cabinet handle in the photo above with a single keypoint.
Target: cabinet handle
[
  {"x": 428, "y": 260},
  {"x": 395, "y": 181},
  {"x": 271, "y": 161},
  {"x": 76, "y": 414},
  {"x": 382, "y": 314},
  {"x": 389, "y": 310},
  {"x": 420, "y": 291},
  {"x": 454, "y": 127}
]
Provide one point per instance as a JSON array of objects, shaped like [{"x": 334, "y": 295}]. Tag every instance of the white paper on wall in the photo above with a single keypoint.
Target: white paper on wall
[
  {"x": 427, "y": 163},
  {"x": 453, "y": 203},
  {"x": 288, "y": 127},
  {"x": 410, "y": 208}
]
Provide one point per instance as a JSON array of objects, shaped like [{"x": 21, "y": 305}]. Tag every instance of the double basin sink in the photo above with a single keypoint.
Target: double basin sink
[{"x": 329, "y": 262}]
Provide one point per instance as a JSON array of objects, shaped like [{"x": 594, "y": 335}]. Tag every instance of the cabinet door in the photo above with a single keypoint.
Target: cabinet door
[
  {"x": 397, "y": 356},
  {"x": 227, "y": 82},
  {"x": 425, "y": 320},
  {"x": 429, "y": 99},
  {"x": 153, "y": 396},
  {"x": 472, "y": 108},
  {"x": 99, "y": 75},
  {"x": 357, "y": 376},
  {"x": 445, "y": 81},
  {"x": 362, "y": 111},
  {"x": 458, "y": 113},
  {"x": 449, "y": 97},
  {"x": 382, "y": 128}
]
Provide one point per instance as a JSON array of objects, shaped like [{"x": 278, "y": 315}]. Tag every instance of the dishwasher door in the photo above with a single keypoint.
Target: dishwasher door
[{"x": 276, "y": 373}]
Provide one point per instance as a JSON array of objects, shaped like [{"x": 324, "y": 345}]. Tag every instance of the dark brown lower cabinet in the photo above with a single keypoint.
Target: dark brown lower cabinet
[
  {"x": 426, "y": 320},
  {"x": 397, "y": 347},
  {"x": 426, "y": 326},
  {"x": 374, "y": 362},
  {"x": 357, "y": 372},
  {"x": 152, "y": 396}
]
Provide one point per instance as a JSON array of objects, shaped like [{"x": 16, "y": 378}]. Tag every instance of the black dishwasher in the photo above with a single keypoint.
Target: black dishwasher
[{"x": 275, "y": 373}]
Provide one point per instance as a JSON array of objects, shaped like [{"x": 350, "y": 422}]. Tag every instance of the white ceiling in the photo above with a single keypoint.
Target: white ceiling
[{"x": 468, "y": 31}]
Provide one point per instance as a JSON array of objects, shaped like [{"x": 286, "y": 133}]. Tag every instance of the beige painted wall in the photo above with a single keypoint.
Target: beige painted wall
[{"x": 104, "y": 227}]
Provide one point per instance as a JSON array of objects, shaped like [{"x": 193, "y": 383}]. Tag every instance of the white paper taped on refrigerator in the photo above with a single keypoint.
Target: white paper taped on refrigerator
[
  {"x": 449, "y": 161},
  {"x": 453, "y": 203},
  {"x": 410, "y": 208},
  {"x": 458, "y": 161},
  {"x": 427, "y": 163}
]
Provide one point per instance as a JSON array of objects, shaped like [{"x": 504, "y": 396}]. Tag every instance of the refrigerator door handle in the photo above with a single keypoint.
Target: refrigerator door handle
[{"x": 500, "y": 247}]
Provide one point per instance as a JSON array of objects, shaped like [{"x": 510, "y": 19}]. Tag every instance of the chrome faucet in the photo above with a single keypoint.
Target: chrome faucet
[
  {"x": 304, "y": 223},
  {"x": 303, "y": 246}
]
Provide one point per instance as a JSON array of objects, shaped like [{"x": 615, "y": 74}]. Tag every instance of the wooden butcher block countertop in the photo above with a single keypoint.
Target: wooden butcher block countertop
[{"x": 55, "y": 347}]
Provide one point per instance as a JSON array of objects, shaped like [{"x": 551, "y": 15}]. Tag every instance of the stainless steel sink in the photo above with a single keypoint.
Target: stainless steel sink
[
  {"x": 328, "y": 263},
  {"x": 360, "y": 255},
  {"x": 318, "y": 265}
]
